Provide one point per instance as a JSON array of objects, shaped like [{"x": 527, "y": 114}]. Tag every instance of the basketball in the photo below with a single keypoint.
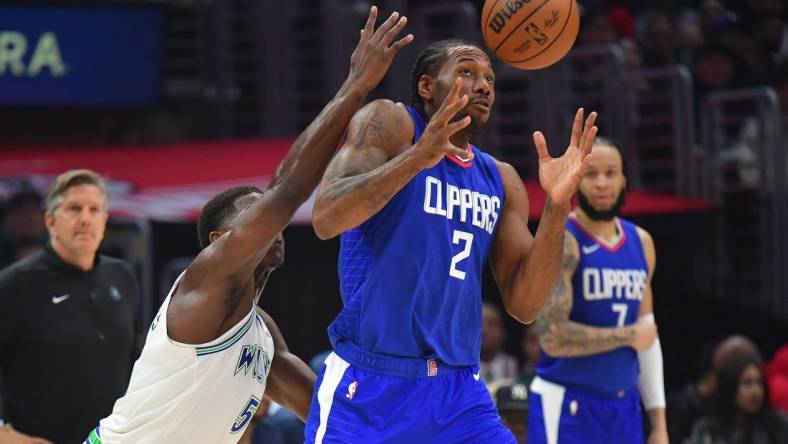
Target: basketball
[{"x": 530, "y": 34}]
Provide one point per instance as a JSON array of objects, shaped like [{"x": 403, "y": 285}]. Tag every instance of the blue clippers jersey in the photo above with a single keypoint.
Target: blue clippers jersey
[
  {"x": 411, "y": 275},
  {"x": 608, "y": 286}
]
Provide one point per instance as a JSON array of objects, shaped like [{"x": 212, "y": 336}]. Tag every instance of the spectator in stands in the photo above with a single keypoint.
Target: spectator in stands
[
  {"x": 740, "y": 411},
  {"x": 777, "y": 378},
  {"x": 688, "y": 404},
  {"x": 530, "y": 348},
  {"x": 70, "y": 326},
  {"x": 511, "y": 399},
  {"x": 495, "y": 362},
  {"x": 23, "y": 231}
]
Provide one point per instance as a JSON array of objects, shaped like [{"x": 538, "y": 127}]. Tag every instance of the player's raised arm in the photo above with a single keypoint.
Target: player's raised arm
[
  {"x": 369, "y": 170},
  {"x": 233, "y": 255},
  {"x": 525, "y": 267},
  {"x": 562, "y": 337}
]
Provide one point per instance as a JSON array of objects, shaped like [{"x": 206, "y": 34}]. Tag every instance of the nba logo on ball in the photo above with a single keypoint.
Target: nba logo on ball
[
  {"x": 530, "y": 34},
  {"x": 432, "y": 368}
]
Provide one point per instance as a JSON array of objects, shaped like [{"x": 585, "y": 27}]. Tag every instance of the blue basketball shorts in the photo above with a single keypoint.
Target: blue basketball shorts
[
  {"x": 354, "y": 405},
  {"x": 568, "y": 415}
]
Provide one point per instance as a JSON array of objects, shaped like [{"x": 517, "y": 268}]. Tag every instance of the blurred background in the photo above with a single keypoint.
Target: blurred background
[{"x": 175, "y": 100}]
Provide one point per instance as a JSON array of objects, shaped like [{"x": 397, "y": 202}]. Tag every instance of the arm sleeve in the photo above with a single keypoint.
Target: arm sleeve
[{"x": 651, "y": 381}]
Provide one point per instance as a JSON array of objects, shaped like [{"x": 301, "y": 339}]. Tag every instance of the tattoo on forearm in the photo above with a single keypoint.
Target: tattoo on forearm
[{"x": 568, "y": 338}]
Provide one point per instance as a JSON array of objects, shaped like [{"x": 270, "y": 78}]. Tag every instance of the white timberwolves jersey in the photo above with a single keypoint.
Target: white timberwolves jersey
[{"x": 182, "y": 393}]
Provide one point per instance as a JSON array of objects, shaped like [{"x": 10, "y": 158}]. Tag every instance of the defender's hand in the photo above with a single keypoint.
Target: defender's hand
[
  {"x": 374, "y": 52},
  {"x": 559, "y": 177},
  {"x": 434, "y": 142}
]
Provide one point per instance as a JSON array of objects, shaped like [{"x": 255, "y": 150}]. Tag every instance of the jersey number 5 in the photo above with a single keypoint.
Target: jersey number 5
[
  {"x": 246, "y": 415},
  {"x": 463, "y": 254}
]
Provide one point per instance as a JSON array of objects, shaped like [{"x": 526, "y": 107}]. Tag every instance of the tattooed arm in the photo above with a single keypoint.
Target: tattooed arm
[
  {"x": 378, "y": 160},
  {"x": 561, "y": 337}
]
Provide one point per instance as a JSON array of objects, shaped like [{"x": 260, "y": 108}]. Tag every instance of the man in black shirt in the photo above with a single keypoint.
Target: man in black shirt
[{"x": 70, "y": 326}]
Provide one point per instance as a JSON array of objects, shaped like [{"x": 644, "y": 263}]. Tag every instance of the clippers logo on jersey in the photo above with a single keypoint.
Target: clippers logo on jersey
[
  {"x": 461, "y": 204},
  {"x": 255, "y": 358},
  {"x": 608, "y": 283}
]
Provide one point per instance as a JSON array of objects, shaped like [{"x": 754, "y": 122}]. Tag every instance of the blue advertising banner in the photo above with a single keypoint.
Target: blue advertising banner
[{"x": 103, "y": 56}]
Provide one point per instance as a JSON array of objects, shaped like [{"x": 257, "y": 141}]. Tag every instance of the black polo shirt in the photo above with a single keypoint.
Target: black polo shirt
[{"x": 68, "y": 341}]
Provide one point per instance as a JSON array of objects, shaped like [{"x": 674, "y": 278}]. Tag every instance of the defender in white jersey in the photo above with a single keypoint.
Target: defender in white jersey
[{"x": 211, "y": 354}]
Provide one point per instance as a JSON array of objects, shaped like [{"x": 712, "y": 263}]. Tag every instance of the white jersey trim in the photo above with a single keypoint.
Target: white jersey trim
[
  {"x": 335, "y": 370},
  {"x": 552, "y": 399}
]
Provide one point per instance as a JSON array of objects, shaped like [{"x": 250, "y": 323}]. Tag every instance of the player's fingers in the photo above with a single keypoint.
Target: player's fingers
[
  {"x": 389, "y": 36},
  {"x": 458, "y": 125},
  {"x": 451, "y": 103},
  {"x": 577, "y": 128},
  {"x": 541, "y": 146},
  {"x": 369, "y": 27},
  {"x": 401, "y": 43},
  {"x": 578, "y": 173},
  {"x": 588, "y": 140},
  {"x": 385, "y": 27}
]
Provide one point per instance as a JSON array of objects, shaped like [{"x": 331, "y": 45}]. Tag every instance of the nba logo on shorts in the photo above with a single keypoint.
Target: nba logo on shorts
[
  {"x": 351, "y": 390},
  {"x": 432, "y": 368}
]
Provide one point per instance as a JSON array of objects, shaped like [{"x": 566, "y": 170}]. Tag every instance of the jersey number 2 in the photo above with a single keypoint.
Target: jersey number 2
[
  {"x": 466, "y": 251},
  {"x": 246, "y": 415}
]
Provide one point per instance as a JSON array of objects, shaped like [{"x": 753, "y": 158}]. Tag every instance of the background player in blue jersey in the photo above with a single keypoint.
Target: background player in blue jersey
[
  {"x": 597, "y": 331},
  {"x": 420, "y": 211}
]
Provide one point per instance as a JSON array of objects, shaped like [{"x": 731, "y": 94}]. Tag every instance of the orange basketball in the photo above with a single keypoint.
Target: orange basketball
[{"x": 530, "y": 34}]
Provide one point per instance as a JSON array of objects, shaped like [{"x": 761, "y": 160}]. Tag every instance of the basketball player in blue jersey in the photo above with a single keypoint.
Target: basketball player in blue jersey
[
  {"x": 420, "y": 210},
  {"x": 210, "y": 354},
  {"x": 601, "y": 354}
]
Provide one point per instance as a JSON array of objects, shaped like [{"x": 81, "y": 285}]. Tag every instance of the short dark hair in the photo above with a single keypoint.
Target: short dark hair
[
  {"x": 429, "y": 63},
  {"x": 606, "y": 141},
  {"x": 219, "y": 210}
]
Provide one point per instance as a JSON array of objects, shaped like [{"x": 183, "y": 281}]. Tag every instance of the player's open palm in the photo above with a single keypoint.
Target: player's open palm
[
  {"x": 375, "y": 51},
  {"x": 560, "y": 176},
  {"x": 434, "y": 142}
]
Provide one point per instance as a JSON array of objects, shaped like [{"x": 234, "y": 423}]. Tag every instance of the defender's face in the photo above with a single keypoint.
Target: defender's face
[
  {"x": 473, "y": 66},
  {"x": 275, "y": 256},
  {"x": 604, "y": 180}
]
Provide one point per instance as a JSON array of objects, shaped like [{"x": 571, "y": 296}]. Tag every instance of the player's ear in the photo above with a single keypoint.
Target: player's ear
[
  {"x": 213, "y": 235},
  {"x": 426, "y": 87}
]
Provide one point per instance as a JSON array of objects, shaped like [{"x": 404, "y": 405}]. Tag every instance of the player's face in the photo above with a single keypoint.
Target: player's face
[
  {"x": 473, "y": 66},
  {"x": 78, "y": 223},
  {"x": 749, "y": 397},
  {"x": 276, "y": 252},
  {"x": 602, "y": 187}
]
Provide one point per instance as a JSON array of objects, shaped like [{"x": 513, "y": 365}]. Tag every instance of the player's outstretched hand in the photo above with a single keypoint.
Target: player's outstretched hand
[
  {"x": 645, "y": 334},
  {"x": 560, "y": 176},
  {"x": 434, "y": 142},
  {"x": 375, "y": 51}
]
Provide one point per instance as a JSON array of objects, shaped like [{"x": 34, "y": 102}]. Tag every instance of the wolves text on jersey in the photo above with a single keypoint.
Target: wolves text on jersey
[
  {"x": 608, "y": 283},
  {"x": 255, "y": 358},
  {"x": 452, "y": 202}
]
